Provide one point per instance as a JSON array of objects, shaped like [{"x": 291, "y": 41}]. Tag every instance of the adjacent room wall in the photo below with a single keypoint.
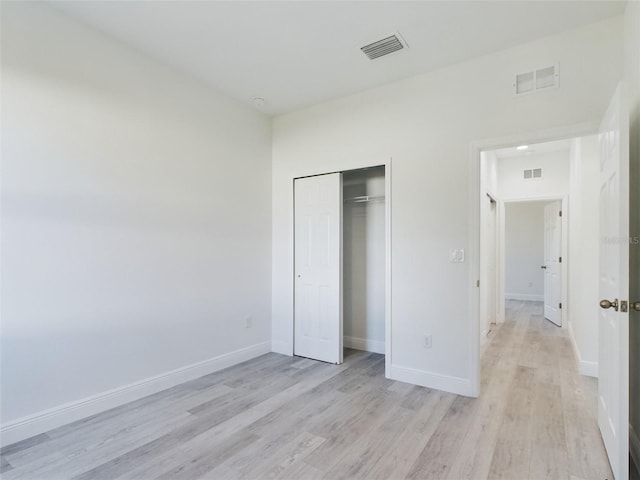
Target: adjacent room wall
[
  {"x": 136, "y": 230},
  {"x": 524, "y": 251},
  {"x": 632, "y": 78},
  {"x": 364, "y": 261},
  {"x": 584, "y": 251},
  {"x": 426, "y": 125},
  {"x": 554, "y": 182}
]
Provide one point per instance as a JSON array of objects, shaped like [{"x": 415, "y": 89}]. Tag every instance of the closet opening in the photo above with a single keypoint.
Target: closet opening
[
  {"x": 363, "y": 238},
  {"x": 340, "y": 263}
]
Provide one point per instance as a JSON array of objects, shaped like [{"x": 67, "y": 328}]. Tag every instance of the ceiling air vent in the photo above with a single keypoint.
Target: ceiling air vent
[
  {"x": 546, "y": 78},
  {"x": 384, "y": 47}
]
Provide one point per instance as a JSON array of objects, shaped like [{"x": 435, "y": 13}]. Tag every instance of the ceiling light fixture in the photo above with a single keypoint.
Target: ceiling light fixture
[
  {"x": 259, "y": 102},
  {"x": 522, "y": 147}
]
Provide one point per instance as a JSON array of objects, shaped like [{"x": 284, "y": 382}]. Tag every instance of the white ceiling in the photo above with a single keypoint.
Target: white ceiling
[
  {"x": 534, "y": 149},
  {"x": 296, "y": 54}
]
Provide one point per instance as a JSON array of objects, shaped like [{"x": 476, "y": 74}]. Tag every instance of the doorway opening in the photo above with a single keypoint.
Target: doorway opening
[
  {"x": 524, "y": 227},
  {"x": 341, "y": 258},
  {"x": 364, "y": 259},
  {"x": 533, "y": 256}
]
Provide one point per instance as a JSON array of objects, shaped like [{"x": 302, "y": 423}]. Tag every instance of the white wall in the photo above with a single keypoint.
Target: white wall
[
  {"x": 426, "y": 125},
  {"x": 632, "y": 80},
  {"x": 584, "y": 241},
  {"x": 364, "y": 261},
  {"x": 524, "y": 251},
  {"x": 554, "y": 183},
  {"x": 136, "y": 230}
]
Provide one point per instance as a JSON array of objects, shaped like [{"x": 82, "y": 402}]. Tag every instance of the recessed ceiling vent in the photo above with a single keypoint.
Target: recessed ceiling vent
[
  {"x": 545, "y": 78},
  {"x": 532, "y": 173},
  {"x": 384, "y": 47}
]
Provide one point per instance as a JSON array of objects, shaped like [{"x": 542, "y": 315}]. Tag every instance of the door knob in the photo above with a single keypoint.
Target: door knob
[
  {"x": 544, "y": 267},
  {"x": 607, "y": 304},
  {"x": 635, "y": 306}
]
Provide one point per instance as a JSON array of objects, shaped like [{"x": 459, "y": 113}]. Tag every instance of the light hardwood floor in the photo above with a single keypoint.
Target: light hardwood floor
[{"x": 281, "y": 417}]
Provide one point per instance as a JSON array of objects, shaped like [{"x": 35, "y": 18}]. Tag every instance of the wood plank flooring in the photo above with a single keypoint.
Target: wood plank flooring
[{"x": 281, "y": 417}]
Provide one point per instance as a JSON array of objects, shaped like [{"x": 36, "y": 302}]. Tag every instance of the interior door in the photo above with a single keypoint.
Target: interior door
[
  {"x": 552, "y": 262},
  {"x": 488, "y": 284},
  {"x": 613, "y": 380},
  {"x": 318, "y": 267},
  {"x": 491, "y": 267}
]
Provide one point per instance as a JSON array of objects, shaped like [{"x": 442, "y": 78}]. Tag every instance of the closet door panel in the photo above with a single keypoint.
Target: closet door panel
[{"x": 318, "y": 267}]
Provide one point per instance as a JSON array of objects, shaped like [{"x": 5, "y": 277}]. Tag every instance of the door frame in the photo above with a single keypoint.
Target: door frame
[
  {"x": 501, "y": 269},
  {"x": 476, "y": 147},
  {"x": 339, "y": 167}
]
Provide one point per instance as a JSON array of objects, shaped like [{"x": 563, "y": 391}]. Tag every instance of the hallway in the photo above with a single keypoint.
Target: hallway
[{"x": 548, "y": 424}]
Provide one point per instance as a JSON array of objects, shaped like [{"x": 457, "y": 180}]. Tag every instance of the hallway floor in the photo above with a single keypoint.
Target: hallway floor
[{"x": 282, "y": 417}]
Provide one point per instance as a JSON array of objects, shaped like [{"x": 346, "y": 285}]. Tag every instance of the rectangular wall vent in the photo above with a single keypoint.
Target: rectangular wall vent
[
  {"x": 384, "y": 47},
  {"x": 532, "y": 173},
  {"x": 546, "y": 78}
]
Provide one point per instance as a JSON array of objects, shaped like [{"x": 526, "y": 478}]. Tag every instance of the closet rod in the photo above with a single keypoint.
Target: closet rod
[{"x": 364, "y": 198}]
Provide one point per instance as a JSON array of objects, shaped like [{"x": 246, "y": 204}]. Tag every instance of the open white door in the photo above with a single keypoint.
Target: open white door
[
  {"x": 613, "y": 379},
  {"x": 488, "y": 259},
  {"x": 552, "y": 262},
  {"x": 318, "y": 267}
]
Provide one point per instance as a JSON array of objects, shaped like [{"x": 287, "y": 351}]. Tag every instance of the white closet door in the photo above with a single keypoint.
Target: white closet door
[{"x": 318, "y": 267}]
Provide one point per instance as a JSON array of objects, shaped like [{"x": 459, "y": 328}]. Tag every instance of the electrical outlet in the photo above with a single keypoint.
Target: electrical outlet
[
  {"x": 248, "y": 322},
  {"x": 427, "y": 341}
]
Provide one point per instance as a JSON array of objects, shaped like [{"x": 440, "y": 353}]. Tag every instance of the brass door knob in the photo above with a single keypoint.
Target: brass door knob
[
  {"x": 635, "y": 306},
  {"x": 607, "y": 304}
]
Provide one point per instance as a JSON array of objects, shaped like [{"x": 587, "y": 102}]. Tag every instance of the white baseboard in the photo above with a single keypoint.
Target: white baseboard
[
  {"x": 634, "y": 445},
  {"x": 374, "y": 346},
  {"x": 483, "y": 337},
  {"x": 589, "y": 369},
  {"x": 524, "y": 297},
  {"x": 585, "y": 367},
  {"x": 460, "y": 386},
  {"x": 284, "y": 348},
  {"x": 46, "y": 420}
]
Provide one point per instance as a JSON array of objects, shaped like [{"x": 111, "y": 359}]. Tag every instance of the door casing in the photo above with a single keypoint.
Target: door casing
[{"x": 344, "y": 165}]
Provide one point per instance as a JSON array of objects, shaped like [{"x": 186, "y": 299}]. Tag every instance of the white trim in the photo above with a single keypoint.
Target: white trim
[
  {"x": 461, "y": 386},
  {"x": 473, "y": 280},
  {"x": 365, "y": 344},
  {"x": 525, "y": 297},
  {"x": 587, "y": 368},
  {"x": 483, "y": 337},
  {"x": 473, "y": 291},
  {"x": 634, "y": 445},
  {"x": 387, "y": 280},
  {"x": 46, "y": 420},
  {"x": 278, "y": 346}
]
